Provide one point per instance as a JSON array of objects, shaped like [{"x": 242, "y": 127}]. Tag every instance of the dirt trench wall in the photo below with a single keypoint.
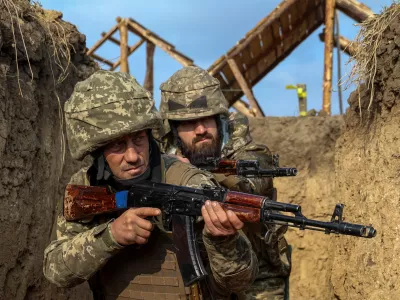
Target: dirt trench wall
[
  {"x": 30, "y": 143},
  {"x": 308, "y": 144},
  {"x": 368, "y": 177}
]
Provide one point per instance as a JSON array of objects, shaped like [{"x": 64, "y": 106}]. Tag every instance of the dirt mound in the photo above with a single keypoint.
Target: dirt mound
[
  {"x": 308, "y": 144},
  {"x": 368, "y": 173},
  {"x": 41, "y": 59}
]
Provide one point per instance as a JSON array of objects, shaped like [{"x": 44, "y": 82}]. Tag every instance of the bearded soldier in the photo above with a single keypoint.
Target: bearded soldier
[
  {"x": 124, "y": 255},
  {"x": 197, "y": 127}
]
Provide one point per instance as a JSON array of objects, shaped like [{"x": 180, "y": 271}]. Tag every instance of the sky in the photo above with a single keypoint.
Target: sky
[{"x": 205, "y": 30}]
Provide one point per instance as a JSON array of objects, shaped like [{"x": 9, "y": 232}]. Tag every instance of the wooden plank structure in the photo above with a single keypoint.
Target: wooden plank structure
[
  {"x": 124, "y": 26},
  {"x": 255, "y": 55},
  {"x": 272, "y": 40}
]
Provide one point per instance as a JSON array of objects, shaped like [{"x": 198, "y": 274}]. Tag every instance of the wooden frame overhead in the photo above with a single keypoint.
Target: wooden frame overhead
[
  {"x": 272, "y": 40},
  {"x": 124, "y": 26}
]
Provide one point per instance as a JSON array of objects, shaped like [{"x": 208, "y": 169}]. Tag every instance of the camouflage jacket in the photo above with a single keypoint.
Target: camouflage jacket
[
  {"x": 273, "y": 258},
  {"x": 83, "y": 249}
]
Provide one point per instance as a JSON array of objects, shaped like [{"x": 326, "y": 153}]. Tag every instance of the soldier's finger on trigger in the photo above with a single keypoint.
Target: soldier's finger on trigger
[{"x": 144, "y": 212}]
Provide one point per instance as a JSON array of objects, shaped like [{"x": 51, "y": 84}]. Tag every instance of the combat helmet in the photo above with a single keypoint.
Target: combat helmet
[
  {"x": 191, "y": 93},
  {"x": 105, "y": 107}
]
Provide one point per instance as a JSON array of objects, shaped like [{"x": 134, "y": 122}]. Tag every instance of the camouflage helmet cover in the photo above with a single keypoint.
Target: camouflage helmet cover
[
  {"x": 191, "y": 93},
  {"x": 104, "y": 107}
]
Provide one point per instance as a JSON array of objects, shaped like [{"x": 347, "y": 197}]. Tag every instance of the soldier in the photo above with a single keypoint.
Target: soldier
[
  {"x": 197, "y": 126},
  {"x": 123, "y": 255}
]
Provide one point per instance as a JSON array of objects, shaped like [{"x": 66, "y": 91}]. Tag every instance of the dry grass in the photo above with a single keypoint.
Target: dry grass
[
  {"x": 367, "y": 43},
  {"x": 59, "y": 51}
]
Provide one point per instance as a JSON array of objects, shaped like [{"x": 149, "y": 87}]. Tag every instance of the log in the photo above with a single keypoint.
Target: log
[
  {"x": 327, "y": 85},
  {"x": 245, "y": 87},
  {"x": 345, "y": 45},
  {"x": 167, "y": 47},
  {"x": 103, "y": 60},
  {"x": 130, "y": 51},
  {"x": 112, "y": 39},
  {"x": 149, "y": 78},
  {"x": 242, "y": 107},
  {"x": 102, "y": 40},
  {"x": 354, "y": 9},
  {"x": 123, "y": 30}
]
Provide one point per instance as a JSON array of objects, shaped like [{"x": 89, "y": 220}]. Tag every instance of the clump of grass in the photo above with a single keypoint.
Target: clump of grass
[{"x": 366, "y": 44}]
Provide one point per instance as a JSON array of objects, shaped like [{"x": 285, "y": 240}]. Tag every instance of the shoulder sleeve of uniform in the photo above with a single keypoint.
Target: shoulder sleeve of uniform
[
  {"x": 81, "y": 177},
  {"x": 81, "y": 248},
  {"x": 233, "y": 262},
  {"x": 184, "y": 174}
]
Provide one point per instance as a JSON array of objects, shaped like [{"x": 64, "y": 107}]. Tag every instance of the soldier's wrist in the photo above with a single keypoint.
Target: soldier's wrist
[
  {"x": 211, "y": 239},
  {"x": 109, "y": 239}
]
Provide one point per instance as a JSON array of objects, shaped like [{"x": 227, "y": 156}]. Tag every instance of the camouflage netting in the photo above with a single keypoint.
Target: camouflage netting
[
  {"x": 368, "y": 168},
  {"x": 41, "y": 59}
]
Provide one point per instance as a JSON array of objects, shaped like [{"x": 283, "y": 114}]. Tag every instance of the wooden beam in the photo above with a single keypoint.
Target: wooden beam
[
  {"x": 277, "y": 61},
  {"x": 329, "y": 25},
  {"x": 245, "y": 87},
  {"x": 242, "y": 107},
  {"x": 345, "y": 45},
  {"x": 112, "y": 39},
  {"x": 167, "y": 47},
  {"x": 272, "y": 17},
  {"x": 354, "y": 9},
  {"x": 130, "y": 51},
  {"x": 103, "y": 60},
  {"x": 123, "y": 30},
  {"x": 102, "y": 40},
  {"x": 149, "y": 78}
]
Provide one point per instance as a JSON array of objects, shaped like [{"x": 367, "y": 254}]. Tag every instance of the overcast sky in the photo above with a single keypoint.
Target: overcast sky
[{"x": 204, "y": 30}]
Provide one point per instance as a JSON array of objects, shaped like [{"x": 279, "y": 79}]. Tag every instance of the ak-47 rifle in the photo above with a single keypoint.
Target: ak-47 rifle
[
  {"x": 246, "y": 168},
  {"x": 181, "y": 206}
]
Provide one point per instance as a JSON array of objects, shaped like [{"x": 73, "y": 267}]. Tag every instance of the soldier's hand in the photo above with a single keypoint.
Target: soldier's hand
[
  {"x": 218, "y": 222},
  {"x": 132, "y": 227}
]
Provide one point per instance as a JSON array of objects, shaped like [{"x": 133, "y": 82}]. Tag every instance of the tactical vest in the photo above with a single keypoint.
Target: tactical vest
[{"x": 149, "y": 271}]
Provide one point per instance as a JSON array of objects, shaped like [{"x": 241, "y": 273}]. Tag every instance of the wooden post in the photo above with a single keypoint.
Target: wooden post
[
  {"x": 130, "y": 51},
  {"x": 245, "y": 87},
  {"x": 243, "y": 108},
  {"x": 159, "y": 42},
  {"x": 123, "y": 31},
  {"x": 345, "y": 45},
  {"x": 149, "y": 78},
  {"x": 329, "y": 22},
  {"x": 354, "y": 9},
  {"x": 102, "y": 40}
]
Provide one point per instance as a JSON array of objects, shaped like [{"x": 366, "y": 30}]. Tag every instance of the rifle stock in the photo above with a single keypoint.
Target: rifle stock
[
  {"x": 82, "y": 201},
  {"x": 181, "y": 206}
]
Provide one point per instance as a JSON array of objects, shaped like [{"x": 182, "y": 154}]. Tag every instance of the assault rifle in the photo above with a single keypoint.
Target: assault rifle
[
  {"x": 181, "y": 206},
  {"x": 246, "y": 168}
]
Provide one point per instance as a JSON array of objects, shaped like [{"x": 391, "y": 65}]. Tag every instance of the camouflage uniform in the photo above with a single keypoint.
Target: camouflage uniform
[
  {"x": 192, "y": 93},
  {"x": 102, "y": 108}
]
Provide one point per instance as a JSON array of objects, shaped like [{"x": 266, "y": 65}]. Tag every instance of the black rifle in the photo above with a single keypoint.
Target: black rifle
[
  {"x": 181, "y": 206},
  {"x": 246, "y": 168}
]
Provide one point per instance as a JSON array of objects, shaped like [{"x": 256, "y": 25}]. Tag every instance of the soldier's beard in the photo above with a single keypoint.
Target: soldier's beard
[{"x": 200, "y": 153}]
